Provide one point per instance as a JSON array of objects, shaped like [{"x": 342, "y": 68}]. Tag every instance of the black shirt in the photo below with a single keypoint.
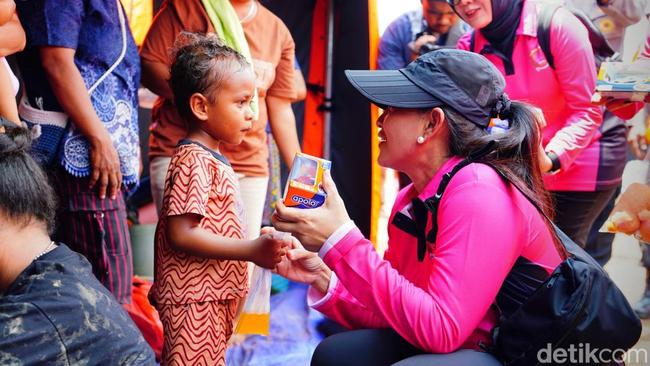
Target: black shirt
[{"x": 57, "y": 313}]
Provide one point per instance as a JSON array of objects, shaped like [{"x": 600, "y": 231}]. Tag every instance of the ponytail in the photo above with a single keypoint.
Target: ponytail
[{"x": 517, "y": 149}]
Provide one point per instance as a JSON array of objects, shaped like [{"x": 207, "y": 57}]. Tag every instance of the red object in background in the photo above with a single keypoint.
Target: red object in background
[
  {"x": 145, "y": 316},
  {"x": 312, "y": 140}
]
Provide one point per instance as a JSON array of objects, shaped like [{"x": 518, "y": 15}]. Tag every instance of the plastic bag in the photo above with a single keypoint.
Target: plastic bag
[{"x": 255, "y": 315}]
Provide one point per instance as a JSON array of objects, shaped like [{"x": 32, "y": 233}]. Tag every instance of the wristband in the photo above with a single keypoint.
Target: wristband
[{"x": 555, "y": 160}]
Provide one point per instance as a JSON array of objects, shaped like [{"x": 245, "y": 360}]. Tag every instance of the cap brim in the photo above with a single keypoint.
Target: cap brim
[{"x": 390, "y": 88}]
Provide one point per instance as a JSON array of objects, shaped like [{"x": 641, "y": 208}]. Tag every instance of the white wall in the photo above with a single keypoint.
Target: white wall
[{"x": 389, "y": 10}]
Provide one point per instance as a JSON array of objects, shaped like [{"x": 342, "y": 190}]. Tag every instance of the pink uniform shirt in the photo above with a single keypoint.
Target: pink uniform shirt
[
  {"x": 446, "y": 301},
  {"x": 563, "y": 94}
]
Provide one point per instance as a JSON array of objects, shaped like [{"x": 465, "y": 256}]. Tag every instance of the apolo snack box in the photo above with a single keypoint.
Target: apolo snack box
[{"x": 303, "y": 186}]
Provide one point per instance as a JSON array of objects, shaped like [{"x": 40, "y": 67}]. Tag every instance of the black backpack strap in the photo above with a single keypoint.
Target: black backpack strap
[
  {"x": 544, "y": 31},
  {"x": 600, "y": 47},
  {"x": 432, "y": 203}
]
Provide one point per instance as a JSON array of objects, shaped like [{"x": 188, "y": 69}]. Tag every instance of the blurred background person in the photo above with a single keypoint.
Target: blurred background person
[
  {"x": 81, "y": 68},
  {"x": 612, "y": 18},
  {"x": 433, "y": 25}
]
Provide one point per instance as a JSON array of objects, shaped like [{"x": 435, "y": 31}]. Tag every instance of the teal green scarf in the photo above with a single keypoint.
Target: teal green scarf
[{"x": 226, "y": 23}]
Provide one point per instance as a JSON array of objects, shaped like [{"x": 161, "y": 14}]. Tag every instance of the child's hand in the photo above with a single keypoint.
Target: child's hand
[
  {"x": 267, "y": 250},
  {"x": 630, "y": 214},
  {"x": 301, "y": 265}
]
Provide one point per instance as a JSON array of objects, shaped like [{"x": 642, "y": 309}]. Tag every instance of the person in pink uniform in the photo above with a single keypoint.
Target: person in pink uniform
[
  {"x": 623, "y": 108},
  {"x": 585, "y": 161},
  {"x": 438, "y": 310}
]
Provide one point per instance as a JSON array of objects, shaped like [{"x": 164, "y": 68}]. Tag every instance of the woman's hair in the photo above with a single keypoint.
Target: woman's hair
[
  {"x": 516, "y": 152},
  {"x": 201, "y": 63},
  {"x": 25, "y": 193}
]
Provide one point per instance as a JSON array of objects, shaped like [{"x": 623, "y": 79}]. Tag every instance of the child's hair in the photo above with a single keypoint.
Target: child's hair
[
  {"x": 25, "y": 194},
  {"x": 201, "y": 63}
]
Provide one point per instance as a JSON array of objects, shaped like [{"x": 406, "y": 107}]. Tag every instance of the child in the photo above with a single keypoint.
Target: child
[{"x": 200, "y": 268}]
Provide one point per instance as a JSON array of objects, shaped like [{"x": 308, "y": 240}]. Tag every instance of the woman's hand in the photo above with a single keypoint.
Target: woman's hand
[
  {"x": 545, "y": 163},
  {"x": 313, "y": 226},
  {"x": 105, "y": 162},
  {"x": 636, "y": 138},
  {"x": 621, "y": 108},
  {"x": 302, "y": 266}
]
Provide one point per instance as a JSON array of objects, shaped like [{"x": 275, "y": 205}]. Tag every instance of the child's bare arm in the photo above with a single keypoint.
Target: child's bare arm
[
  {"x": 185, "y": 234},
  {"x": 12, "y": 36},
  {"x": 8, "y": 108}
]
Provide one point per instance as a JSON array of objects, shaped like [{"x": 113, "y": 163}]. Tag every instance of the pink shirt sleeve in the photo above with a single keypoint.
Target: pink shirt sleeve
[
  {"x": 576, "y": 73},
  {"x": 478, "y": 242},
  {"x": 340, "y": 305}
]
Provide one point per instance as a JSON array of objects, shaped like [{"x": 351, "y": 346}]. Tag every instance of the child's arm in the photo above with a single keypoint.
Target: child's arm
[
  {"x": 8, "y": 108},
  {"x": 12, "y": 36},
  {"x": 185, "y": 234}
]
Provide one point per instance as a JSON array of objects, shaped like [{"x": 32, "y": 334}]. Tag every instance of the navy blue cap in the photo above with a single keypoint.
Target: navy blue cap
[{"x": 464, "y": 81}]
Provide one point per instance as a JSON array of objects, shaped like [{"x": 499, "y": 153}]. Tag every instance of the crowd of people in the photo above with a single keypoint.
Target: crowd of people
[{"x": 458, "y": 76}]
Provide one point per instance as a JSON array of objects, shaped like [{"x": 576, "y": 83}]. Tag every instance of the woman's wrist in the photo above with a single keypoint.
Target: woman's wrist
[{"x": 322, "y": 279}]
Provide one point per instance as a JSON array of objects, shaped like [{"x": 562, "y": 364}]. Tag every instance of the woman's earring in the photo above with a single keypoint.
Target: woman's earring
[{"x": 420, "y": 140}]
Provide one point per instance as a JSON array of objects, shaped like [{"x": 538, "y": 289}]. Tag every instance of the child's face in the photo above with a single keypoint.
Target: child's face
[{"x": 231, "y": 116}]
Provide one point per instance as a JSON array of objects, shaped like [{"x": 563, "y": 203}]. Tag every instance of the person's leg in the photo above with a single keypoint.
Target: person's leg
[
  {"x": 464, "y": 357},
  {"x": 98, "y": 229},
  {"x": 253, "y": 194},
  {"x": 642, "y": 308},
  {"x": 197, "y": 333},
  {"x": 575, "y": 212},
  {"x": 157, "y": 173},
  {"x": 599, "y": 245},
  {"x": 363, "y": 347}
]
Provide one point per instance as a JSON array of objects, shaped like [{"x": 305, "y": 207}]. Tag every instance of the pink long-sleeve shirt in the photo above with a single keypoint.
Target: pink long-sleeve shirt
[
  {"x": 446, "y": 301},
  {"x": 564, "y": 95}
]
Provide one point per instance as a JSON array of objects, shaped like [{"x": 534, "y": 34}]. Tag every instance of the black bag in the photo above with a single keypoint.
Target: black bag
[
  {"x": 599, "y": 45},
  {"x": 577, "y": 305}
]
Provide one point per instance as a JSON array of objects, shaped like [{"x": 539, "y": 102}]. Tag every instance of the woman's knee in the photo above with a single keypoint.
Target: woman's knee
[
  {"x": 363, "y": 347},
  {"x": 326, "y": 352},
  {"x": 459, "y": 358}
]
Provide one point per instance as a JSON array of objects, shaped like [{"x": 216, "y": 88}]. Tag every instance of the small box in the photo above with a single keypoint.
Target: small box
[{"x": 303, "y": 188}]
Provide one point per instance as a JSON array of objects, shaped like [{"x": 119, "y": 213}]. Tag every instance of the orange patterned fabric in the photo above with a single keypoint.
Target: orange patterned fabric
[
  {"x": 199, "y": 181},
  {"x": 197, "y": 333}
]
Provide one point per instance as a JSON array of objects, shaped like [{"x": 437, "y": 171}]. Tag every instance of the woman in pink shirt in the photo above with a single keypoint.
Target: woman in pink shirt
[
  {"x": 585, "y": 158},
  {"x": 432, "y": 299}
]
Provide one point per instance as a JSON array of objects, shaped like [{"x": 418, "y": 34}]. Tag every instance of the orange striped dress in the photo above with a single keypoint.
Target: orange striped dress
[{"x": 198, "y": 297}]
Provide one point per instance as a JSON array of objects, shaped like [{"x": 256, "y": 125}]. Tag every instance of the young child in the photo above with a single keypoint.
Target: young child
[{"x": 200, "y": 268}]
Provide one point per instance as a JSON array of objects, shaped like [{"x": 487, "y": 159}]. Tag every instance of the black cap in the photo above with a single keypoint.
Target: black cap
[{"x": 464, "y": 81}]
